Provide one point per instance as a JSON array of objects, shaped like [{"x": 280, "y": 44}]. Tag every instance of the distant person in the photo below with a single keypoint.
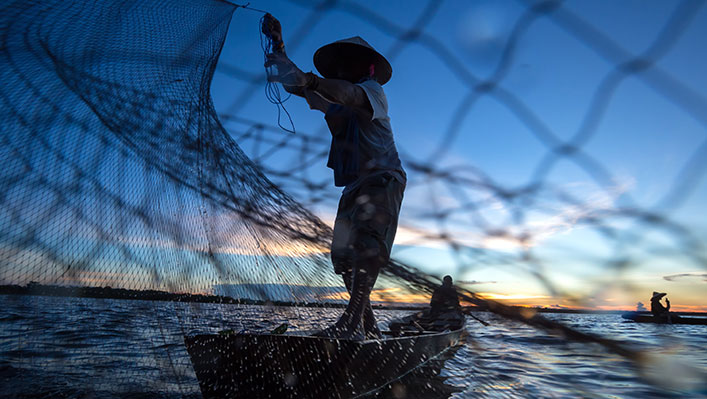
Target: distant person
[
  {"x": 363, "y": 157},
  {"x": 662, "y": 313},
  {"x": 443, "y": 314},
  {"x": 445, "y": 298}
]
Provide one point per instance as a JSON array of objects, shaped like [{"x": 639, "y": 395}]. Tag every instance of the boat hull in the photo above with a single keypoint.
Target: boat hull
[
  {"x": 644, "y": 318},
  {"x": 288, "y": 366}
]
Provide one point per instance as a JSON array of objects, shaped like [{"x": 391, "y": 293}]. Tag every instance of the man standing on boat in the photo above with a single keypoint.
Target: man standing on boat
[
  {"x": 662, "y": 313},
  {"x": 363, "y": 157}
]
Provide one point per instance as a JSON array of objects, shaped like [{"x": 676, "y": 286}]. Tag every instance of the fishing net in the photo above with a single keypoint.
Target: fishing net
[{"x": 131, "y": 218}]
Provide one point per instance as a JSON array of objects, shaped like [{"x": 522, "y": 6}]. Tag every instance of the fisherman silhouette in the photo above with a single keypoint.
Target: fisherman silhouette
[
  {"x": 445, "y": 298},
  {"x": 662, "y": 313},
  {"x": 443, "y": 314},
  {"x": 363, "y": 157}
]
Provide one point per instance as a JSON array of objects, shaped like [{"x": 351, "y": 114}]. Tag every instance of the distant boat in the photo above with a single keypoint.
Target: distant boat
[
  {"x": 639, "y": 317},
  {"x": 294, "y": 366}
]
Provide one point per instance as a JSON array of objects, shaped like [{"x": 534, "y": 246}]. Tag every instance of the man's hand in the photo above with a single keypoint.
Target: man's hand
[
  {"x": 271, "y": 28},
  {"x": 287, "y": 72}
]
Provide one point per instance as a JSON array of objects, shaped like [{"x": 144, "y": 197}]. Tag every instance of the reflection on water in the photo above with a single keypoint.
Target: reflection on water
[{"x": 73, "y": 347}]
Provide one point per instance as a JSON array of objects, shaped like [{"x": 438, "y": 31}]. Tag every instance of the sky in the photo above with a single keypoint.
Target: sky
[
  {"x": 559, "y": 76},
  {"x": 555, "y": 152}
]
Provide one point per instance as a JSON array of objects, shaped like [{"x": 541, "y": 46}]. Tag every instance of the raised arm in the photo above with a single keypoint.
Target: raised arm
[
  {"x": 331, "y": 90},
  {"x": 314, "y": 100},
  {"x": 272, "y": 29},
  {"x": 341, "y": 92},
  {"x": 318, "y": 92}
]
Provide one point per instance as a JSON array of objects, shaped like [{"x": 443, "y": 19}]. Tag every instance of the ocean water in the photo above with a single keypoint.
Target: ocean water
[{"x": 101, "y": 348}]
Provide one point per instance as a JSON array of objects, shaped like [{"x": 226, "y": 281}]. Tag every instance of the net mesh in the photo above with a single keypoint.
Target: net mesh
[{"x": 120, "y": 181}]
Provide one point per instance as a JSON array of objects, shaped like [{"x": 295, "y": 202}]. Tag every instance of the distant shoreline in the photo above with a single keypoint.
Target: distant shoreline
[{"x": 35, "y": 289}]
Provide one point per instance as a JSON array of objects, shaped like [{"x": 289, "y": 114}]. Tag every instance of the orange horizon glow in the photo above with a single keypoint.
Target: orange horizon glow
[
  {"x": 501, "y": 297},
  {"x": 386, "y": 295},
  {"x": 398, "y": 296},
  {"x": 568, "y": 306}
]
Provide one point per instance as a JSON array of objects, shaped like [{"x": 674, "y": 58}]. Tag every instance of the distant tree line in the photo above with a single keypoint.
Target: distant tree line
[{"x": 34, "y": 288}]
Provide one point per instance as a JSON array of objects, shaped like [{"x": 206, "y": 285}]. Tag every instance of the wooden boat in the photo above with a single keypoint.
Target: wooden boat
[
  {"x": 292, "y": 366},
  {"x": 639, "y": 317}
]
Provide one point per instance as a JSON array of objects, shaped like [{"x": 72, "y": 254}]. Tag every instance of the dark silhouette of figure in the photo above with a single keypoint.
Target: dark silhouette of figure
[
  {"x": 363, "y": 157},
  {"x": 445, "y": 298},
  {"x": 444, "y": 312},
  {"x": 662, "y": 313}
]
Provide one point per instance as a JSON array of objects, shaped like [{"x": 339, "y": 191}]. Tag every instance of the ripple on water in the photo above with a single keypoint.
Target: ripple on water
[{"x": 69, "y": 347}]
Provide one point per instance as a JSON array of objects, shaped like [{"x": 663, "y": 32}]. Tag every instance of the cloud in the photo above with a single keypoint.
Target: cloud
[
  {"x": 474, "y": 282},
  {"x": 489, "y": 295},
  {"x": 382, "y": 295},
  {"x": 690, "y": 275},
  {"x": 551, "y": 219},
  {"x": 227, "y": 234},
  {"x": 281, "y": 292},
  {"x": 233, "y": 239},
  {"x": 49, "y": 267}
]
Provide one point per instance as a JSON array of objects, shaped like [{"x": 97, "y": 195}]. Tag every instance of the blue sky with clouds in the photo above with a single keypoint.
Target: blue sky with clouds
[
  {"x": 557, "y": 77},
  {"x": 555, "y": 150}
]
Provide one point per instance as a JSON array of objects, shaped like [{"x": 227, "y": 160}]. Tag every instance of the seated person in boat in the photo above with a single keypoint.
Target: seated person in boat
[
  {"x": 443, "y": 314},
  {"x": 445, "y": 298},
  {"x": 661, "y": 313}
]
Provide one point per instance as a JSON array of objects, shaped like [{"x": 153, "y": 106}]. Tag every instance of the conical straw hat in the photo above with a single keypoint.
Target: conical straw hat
[{"x": 352, "y": 56}]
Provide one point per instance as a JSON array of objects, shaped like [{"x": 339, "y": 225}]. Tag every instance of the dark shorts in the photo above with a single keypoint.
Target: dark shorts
[{"x": 366, "y": 222}]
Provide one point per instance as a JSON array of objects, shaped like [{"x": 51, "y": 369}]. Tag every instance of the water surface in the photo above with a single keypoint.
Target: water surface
[{"x": 102, "y": 348}]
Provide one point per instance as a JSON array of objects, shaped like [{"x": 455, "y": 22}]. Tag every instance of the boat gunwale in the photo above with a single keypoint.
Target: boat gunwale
[
  {"x": 443, "y": 351},
  {"x": 426, "y": 334}
]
